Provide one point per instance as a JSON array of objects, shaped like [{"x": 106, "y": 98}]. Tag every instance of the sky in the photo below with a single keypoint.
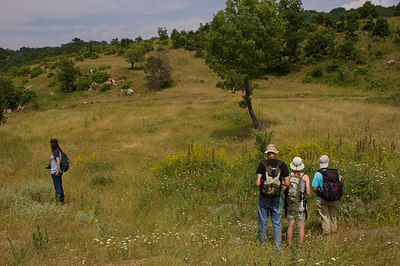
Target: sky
[{"x": 39, "y": 23}]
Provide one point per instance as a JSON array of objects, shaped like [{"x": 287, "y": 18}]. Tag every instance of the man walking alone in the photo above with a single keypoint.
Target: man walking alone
[{"x": 271, "y": 174}]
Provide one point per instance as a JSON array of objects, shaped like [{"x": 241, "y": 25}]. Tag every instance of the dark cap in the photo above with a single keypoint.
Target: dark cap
[{"x": 53, "y": 141}]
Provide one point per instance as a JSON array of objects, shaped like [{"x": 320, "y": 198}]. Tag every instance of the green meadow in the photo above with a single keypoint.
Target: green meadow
[{"x": 168, "y": 176}]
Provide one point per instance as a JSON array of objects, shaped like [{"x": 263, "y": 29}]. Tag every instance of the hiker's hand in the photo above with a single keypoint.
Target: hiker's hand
[{"x": 58, "y": 174}]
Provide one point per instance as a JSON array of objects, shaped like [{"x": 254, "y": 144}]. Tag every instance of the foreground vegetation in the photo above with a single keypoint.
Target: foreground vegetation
[{"x": 167, "y": 176}]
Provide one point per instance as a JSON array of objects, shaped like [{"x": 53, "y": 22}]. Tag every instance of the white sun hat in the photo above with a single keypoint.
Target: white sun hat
[
  {"x": 297, "y": 164},
  {"x": 324, "y": 161}
]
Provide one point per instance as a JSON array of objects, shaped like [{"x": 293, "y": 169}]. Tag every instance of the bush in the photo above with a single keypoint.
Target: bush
[
  {"x": 307, "y": 79},
  {"x": 381, "y": 28},
  {"x": 50, "y": 75},
  {"x": 362, "y": 71},
  {"x": 23, "y": 71},
  {"x": 79, "y": 59},
  {"x": 6, "y": 91},
  {"x": 36, "y": 71},
  {"x": 37, "y": 191},
  {"x": 319, "y": 44},
  {"x": 317, "y": 72},
  {"x": 104, "y": 67},
  {"x": 21, "y": 96},
  {"x": 67, "y": 75},
  {"x": 126, "y": 85},
  {"x": 99, "y": 77},
  {"x": 332, "y": 66},
  {"x": 159, "y": 70},
  {"x": 52, "y": 84},
  {"x": 105, "y": 87},
  {"x": 94, "y": 55},
  {"x": 83, "y": 83}
]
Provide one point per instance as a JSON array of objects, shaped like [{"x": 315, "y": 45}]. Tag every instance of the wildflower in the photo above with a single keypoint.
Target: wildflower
[
  {"x": 223, "y": 259},
  {"x": 333, "y": 259}
]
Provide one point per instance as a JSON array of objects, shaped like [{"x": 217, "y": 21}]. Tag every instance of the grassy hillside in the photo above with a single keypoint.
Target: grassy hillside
[{"x": 168, "y": 177}]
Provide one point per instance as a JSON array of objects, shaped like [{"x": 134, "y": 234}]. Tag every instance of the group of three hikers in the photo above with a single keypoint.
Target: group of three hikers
[{"x": 272, "y": 174}]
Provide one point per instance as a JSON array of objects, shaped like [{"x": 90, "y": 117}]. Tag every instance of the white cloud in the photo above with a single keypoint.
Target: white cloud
[{"x": 359, "y": 3}]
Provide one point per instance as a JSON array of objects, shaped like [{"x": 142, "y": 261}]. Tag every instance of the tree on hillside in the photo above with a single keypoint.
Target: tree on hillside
[
  {"x": 135, "y": 53},
  {"x": 292, "y": 12},
  {"x": 159, "y": 70},
  {"x": 6, "y": 91},
  {"x": 162, "y": 33},
  {"x": 368, "y": 9},
  {"x": 381, "y": 28},
  {"x": 67, "y": 75},
  {"x": 320, "y": 44},
  {"x": 245, "y": 41}
]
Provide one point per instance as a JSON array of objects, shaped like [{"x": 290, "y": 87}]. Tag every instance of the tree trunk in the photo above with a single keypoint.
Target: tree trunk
[
  {"x": 253, "y": 116},
  {"x": 251, "y": 111},
  {"x": 132, "y": 65},
  {"x": 249, "y": 104}
]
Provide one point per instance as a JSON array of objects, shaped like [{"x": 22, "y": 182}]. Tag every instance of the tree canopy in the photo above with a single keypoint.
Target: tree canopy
[{"x": 245, "y": 41}]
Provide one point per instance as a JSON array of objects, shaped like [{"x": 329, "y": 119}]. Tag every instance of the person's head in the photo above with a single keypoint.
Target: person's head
[
  {"x": 297, "y": 164},
  {"x": 324, "y": 161},
  {"x": 54, "y": 144},
  {"x": 271, "y": 151}
]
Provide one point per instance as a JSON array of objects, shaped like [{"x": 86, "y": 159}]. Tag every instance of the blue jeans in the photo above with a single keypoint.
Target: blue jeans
[
  {"x": 266, "y": 206},
  {"x": 58, "y": 187}
]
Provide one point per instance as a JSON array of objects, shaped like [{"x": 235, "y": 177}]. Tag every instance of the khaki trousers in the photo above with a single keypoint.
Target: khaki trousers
[{"x": 328, "y": 211}]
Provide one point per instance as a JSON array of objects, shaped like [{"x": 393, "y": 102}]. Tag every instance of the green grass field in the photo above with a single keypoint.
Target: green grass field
[{"x": 168, "y": 177}]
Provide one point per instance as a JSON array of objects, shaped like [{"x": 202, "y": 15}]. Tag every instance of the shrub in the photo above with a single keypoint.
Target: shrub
[
  {"x": 332, "y": 66},
  {"x": 37, "y": 191},
  {"x": 159, "y": 70},
  {"x": 317, "y": 72},
  {"x": 262, "y": 139},
  {"x": 105, "y": 87},
  {"x": 83, "y": 83},
  {"x": 104, "y": 67},
  {"x": 36, "y": 71},
  {"x": 94, "y": 55},
  {"x": 307, "y": 79},
  {"x": 52, "y": 84},
  {"x": 24, "y": 81},
  {"x": 24, "y": 70},
  {"x": 67, "y": 75},
  {"x": 99, "y": 77},
  {"x": 381, "y": 28},
  {"x": 6, "y": 92},
  {"x": 50, "y": 75},
  {"x": 79, "y": 58},
  {"x": 7, "y": 197},
  {"x": 362, "y": 70},
  {"x": 319, "y": 44},
  {"x": 126, "y": 85},
  {"x": 21, "y": 96}
]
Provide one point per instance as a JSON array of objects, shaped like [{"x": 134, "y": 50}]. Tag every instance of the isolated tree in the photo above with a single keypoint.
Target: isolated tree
[
  {"x": 6, "y": 91},
  {"x": 381, "y": 28},
  {"x": 135, "y": 53},
  {"x": 159, "y": 70},
  {"x": 67, "y": 75},
  {"x": 244, "y": 42}
]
